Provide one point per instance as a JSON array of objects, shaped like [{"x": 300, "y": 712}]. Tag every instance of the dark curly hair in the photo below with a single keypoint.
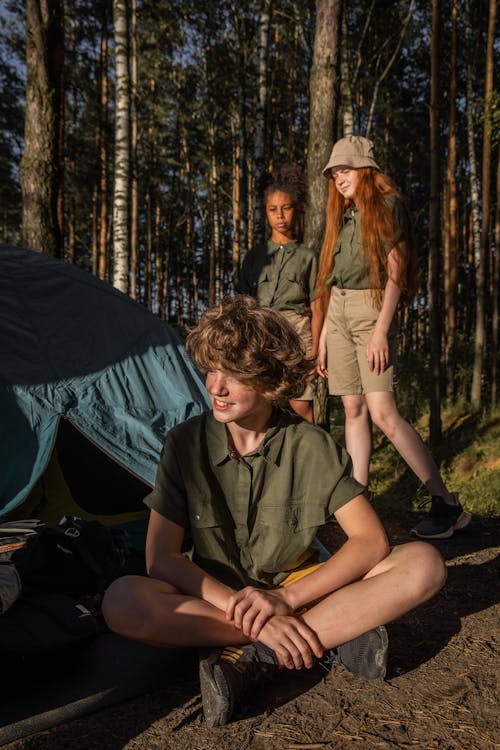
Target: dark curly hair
[
  {"x": 254, "y": 344},
  {"x": 290, "y": 179}
]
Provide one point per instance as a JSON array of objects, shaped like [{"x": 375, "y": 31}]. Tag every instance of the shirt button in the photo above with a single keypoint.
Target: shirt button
[
  {"x": 342, "y": 291},
  {"x": 197, "y": 517}
]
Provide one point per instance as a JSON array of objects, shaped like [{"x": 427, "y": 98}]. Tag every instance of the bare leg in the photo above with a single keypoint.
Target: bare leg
[
  {"x": 303, "y": 409},
  {"x": 358, "y": 435},
  {"x": 406, "y": 440},
  {"x": 411, "y": 574},
  {"x": 153, "y": 612}
]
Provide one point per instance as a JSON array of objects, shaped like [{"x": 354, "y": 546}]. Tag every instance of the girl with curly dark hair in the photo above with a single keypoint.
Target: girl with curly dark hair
[{"x": 282, "y": 272}]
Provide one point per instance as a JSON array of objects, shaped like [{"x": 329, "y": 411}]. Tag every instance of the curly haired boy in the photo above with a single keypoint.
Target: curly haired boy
[{"x": 253, "y": 483}]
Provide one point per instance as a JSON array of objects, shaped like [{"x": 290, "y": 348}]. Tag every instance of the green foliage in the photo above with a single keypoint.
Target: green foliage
[
  {"x": 197, "y": 68},
  {"x": 468, "y": 459}
]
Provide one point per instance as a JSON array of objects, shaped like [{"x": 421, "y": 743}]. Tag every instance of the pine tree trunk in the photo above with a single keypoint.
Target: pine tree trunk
[
  {"x": 239, "y": 128},
  {"x": 434, "y": 234},
  {"x": 102, "y": 257},
  {"x": 260, "y": 113},
  {"x": 323, "y": 115},
  {"x": 214, "y": 221},
  {"x": 40, "y": 169},
  {"x": 236, "y": 203},
  {"x": 134, "y": 192},
  {"x": 496, "y": 298},
  {"x": 451, "y": 254},
  {"x": 122, "y": 149},
  {"x": 480, "y": 327},
  {"x": 346, "y": 103}
]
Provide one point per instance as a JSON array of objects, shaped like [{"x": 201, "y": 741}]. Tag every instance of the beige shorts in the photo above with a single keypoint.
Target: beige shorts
[
  {"x": 302, "y": 325},
  {"x": 350, "y": 323}
]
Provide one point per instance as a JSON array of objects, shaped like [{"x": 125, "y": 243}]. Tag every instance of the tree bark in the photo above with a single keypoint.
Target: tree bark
[
  {"x": 496, "y": 297},
  {"x": 434, "y": 234},
  {"x": 323, "y": 115},
  {"x": 134, "y": 188},
  {"x": 260, "y": 113},
  {"x": 480, "y": 327},
  {"x": 102, "y": 256},
  {"x": 346, "y": 103},
  {"x": 122, "y": 149},
  {"x": 451, "y": 245},
  {"x": 40, "y": 169}
]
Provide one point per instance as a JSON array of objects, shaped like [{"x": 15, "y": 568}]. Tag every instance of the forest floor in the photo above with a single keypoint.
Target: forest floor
[{"x": 441, "y": 689}]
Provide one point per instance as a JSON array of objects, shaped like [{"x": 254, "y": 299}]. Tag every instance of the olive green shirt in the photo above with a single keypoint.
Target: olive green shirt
[
  {"x": 348, "y": 270},
  {"x": 252, "y": 519},
  {"x": 282, "y": 276}
]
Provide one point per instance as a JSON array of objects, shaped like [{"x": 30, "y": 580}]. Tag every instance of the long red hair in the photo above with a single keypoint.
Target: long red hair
[{"x": 376, "y": 231}]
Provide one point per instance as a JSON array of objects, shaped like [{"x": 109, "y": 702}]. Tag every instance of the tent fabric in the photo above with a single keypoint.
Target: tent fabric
[{"x": 72, "y": 346}]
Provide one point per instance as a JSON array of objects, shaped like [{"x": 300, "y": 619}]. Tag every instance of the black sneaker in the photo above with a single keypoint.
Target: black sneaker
[
  {"x": 442, "y": 520},
  {"x": 364, "y": 656},
  {"x": 226, "y": 673}
]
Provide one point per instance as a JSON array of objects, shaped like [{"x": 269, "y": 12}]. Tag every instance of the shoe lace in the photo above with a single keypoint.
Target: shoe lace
[
  {"x": 439, "y": 508},
  {"x": 329, "y": 659}
]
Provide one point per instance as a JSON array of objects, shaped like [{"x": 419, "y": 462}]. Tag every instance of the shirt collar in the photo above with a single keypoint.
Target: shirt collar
[
  {"x": 273, "y": 247},
  {"x": 351, "y": 212},
  {"x": 270, "y": 448}
]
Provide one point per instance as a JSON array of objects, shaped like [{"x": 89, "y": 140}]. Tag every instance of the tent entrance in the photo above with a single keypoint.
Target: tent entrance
[{"x": 81, "y": 480}]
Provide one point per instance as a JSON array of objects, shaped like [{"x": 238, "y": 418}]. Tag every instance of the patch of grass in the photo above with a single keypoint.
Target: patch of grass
[{"x": 469, "y": 461}]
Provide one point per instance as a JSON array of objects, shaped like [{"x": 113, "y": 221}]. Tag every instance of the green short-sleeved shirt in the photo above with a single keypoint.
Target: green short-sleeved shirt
[
  {"x": 252, "y": 519},
  {"x": 280, "y": 276},
  {"x": 348, "y": 272}
]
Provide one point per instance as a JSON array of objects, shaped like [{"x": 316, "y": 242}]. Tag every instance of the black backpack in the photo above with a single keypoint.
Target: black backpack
[
  {"x": 52, "y": 577},
  {"x": 72, "y": 556}
]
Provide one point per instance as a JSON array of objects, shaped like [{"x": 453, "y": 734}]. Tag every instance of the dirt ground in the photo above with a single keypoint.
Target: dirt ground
[{"x": 441, "y": 689}]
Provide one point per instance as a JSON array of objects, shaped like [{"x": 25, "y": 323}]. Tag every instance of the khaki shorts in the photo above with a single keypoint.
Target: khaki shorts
[
  {"x": 350, "y": 323},
  {"x": 302, "y": 325}
]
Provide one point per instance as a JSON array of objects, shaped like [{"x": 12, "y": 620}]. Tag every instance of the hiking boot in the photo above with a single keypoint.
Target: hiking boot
[
  {"x": 442, "y": 519},
  {"x": 226, "y": 673},
  {"x": 364, "y": 656}
]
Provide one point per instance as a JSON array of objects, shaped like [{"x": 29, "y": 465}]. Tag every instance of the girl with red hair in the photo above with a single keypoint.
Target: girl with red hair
[{"x": 368, "y": 266}]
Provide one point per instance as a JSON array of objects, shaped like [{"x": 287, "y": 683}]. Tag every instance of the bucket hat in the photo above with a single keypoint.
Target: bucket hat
[{"x": 353, "y": 151}]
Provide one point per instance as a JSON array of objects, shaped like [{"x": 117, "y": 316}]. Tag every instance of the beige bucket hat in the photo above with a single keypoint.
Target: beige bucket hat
[{"x": 353, "y": 151}]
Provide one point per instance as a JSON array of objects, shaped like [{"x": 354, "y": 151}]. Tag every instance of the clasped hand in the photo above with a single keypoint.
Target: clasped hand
[
  {"x": 265, "y": 615},
  {"x": 251, "y": 608}
]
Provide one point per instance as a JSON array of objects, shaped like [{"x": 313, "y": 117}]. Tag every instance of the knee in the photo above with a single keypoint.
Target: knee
[
  {"x": 386, "y": 421},
  {"x": 123, "y": 607},
  {"x": 428, "y": 570},
  {"x": 355, "y": 411}
]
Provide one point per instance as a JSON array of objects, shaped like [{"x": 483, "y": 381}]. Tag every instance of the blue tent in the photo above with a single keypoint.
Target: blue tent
[{"x": 78, "y": 354}]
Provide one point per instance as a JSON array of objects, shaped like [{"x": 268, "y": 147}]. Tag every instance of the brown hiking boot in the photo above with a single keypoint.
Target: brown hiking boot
[{"x": 226, "y": 673}]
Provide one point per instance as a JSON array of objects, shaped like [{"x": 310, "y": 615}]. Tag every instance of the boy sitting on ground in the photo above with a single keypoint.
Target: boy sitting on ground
[{"x": 253, "y": 483}]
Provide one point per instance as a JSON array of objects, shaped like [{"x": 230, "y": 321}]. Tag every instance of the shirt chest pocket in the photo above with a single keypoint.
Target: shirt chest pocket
[
  {"x": 211, "y": 530},
  {"x": 296, "y": 285},
  {"x": 207, "y": 514},
  {"x": 265, "y": 286},
  {"x": 285, "y": 532},
  {"x": 294, "y": 517}
]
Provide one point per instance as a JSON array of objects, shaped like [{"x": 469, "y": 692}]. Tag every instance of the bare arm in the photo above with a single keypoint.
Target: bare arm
[
  {"x": 293, "y": 641},
  {"x": 321, "y": 362},
  {"x": 316, "y": 326},
  {"x": 366, "y": 545},
  {"x": 165, "y": 562},
  {"x": 377, "y": 349}
]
